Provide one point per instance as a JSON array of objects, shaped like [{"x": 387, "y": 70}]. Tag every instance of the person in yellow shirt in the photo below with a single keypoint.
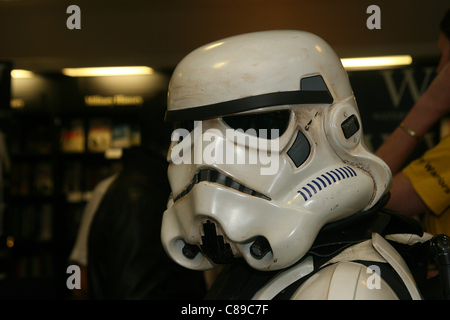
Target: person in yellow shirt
[
  {"x": 430, "y": 177},
  {"x": 424, "y": 184}
]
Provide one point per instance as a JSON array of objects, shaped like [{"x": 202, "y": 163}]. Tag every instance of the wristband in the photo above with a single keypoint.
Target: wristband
[{"x": 409, "y": 131}]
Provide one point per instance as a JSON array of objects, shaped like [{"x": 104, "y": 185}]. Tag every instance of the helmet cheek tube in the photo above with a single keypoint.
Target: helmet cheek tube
[
  {"x": 190, "y": 251},
  {"x": 260, "y": 248}
]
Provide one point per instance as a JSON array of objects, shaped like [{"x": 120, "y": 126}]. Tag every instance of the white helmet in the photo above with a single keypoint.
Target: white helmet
[{"x": 263, "y": 198}]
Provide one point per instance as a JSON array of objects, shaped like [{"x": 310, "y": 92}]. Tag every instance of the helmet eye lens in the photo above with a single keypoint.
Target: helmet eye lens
[{"x": 262, "y": 123}]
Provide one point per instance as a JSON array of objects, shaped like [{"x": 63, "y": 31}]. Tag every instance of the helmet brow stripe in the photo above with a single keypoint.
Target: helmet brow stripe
[{"x": 249, "y": 103}]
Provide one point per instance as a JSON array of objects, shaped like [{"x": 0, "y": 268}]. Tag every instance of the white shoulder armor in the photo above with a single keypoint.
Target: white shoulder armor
[
  {"x": 345, "y": 281},
  {"x": 353, "y": 274}
]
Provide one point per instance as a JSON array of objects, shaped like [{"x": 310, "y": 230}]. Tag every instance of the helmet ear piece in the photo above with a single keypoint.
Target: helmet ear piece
[
  {"x": 342, "y": 126},
  {"x": 343, "y": 129}
]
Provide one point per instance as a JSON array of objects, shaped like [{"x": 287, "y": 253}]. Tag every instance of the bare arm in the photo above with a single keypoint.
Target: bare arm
[
  {"x": 428, "y": 110},
  {"x": 404, "y": 198}
]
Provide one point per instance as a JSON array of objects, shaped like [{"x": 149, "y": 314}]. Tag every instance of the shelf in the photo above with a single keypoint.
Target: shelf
[
  {"x": 89, "y": 112},
  {"x": 91, "y": 156},
  {"x": 32, "y": 199},
  {"x": 32, "y": 157}
]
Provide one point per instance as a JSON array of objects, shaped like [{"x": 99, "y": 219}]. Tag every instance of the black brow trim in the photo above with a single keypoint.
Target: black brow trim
[{"x": 249, "y": 103}]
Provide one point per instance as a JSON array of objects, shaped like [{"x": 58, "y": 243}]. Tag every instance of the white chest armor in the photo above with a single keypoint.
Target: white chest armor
[{"x": 344, "y": 279}]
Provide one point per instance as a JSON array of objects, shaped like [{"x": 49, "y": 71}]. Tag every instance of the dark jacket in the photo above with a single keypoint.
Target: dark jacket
[{"x": 125, "y": 257}]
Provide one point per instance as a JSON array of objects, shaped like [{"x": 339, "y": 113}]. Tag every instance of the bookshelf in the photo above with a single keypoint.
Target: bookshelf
[{"x": 62, "y": 139}]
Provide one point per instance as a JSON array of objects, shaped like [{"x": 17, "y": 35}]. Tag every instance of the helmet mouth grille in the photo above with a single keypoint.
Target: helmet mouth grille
[
  {"x": 215, "y": 176},
  {"x": 214, "y": 245}
]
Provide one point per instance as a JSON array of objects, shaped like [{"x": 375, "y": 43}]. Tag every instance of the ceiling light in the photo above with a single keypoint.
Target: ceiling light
[
  {"x": 368, "y": 63},
  {"x": 20, "y": 74},
  {"x": 106, "y": 71}
]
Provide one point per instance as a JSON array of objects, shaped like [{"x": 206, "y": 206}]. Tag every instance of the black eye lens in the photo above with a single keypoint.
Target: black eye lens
[{"x": 262, "y": 123}]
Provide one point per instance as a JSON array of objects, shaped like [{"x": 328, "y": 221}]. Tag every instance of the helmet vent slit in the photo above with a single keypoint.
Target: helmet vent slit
[{"x": 325, "y": 180}]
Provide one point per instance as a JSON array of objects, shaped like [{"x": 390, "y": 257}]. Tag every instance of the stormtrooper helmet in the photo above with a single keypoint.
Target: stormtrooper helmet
[{"x": 268, "y": 149}]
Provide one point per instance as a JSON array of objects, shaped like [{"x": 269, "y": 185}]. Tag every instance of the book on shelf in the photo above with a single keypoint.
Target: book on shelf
[
  {"x": 80, "y": 178},
  {"x": 73, "y": 174},
  {"x": 121, "y": 136},
  {"x": 125, "y": 136},
  {"x": 20, "y": 179},
  {"x": 36, "y": 265},
  {"x": 135, "y": 136},
  {"x": 73, "y": 137},
  {"x": 31, "y": 179},
  {"x": 43, "y": 178},
  {"x": 99, "y": 135},
  {"x": 46, "y": 223},
  {"x": 39, "y": 139},
  {"x": 29, "y": 222}
]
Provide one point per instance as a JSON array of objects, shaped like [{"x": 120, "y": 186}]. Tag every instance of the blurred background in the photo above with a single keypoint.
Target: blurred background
[{"x": 61, "y": 133}]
